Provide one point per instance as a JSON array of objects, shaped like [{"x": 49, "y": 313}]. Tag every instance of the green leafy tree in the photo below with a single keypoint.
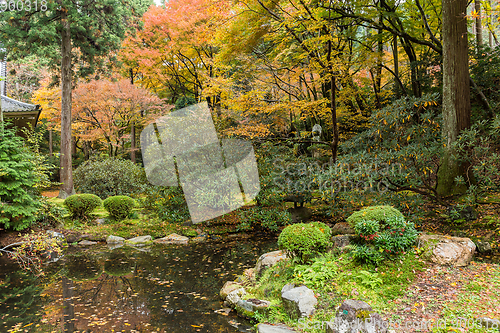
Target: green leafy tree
[
  {"x": 17, "y": 205},
  {"x": 80, "y": 37}
]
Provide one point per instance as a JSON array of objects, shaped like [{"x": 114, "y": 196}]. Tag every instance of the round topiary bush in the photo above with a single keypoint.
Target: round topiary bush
[
  {"x": 119, "y": 206},
  {"x": 303, "y": 241},
  {"x": 374, "y": 213},
  {"x": 81, "y": 205},
  {"x": 109, "y": 177}
]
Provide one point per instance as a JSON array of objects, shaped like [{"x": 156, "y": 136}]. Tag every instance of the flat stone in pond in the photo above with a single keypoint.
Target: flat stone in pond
[
  {"x": 248, "y": 307},
  {"x": 141, "y": 240},
  {"x": 86, "y": 243},
  {"x": 172, "y": 239},
  {"x": 265, "y": 328},
  {"x": 114, "y": 239}
]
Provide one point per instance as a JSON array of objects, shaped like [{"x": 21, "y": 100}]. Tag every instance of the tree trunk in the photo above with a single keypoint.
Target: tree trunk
[
  {"x": 132, "y": 126},
  {"x": 395, "y": 56},
  {"x": 479, "y": 26},
  {"x": 456, "y": 94},
  {"x": 51, "y": 151},
  {"x": 490, "y": 34},
  {"x": 132, "y": 142},
  {"x": 378, "y": 75},
  {"x": 412, "y": 57},
  {"x": 333, "y": 106},
  {"x": 66, "y": 167}
]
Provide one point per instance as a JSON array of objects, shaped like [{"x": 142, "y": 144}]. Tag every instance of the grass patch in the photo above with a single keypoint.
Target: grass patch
[{"x": 334, "y": 278}]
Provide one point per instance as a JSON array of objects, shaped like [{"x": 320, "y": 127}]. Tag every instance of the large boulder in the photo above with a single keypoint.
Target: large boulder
[
  {"x": 235, "y": 296},
  {"x": 341, "y": 241},
  {"x": 228, "y": 287},
  {"x": 342, "y": 228},
  {"x": 172, "y": 239},
  {"x": 299, "y": 302},
  {"x": 265, "y": 328},
  {"x": 356, "y": 316},
  {"x": 447, "y": 250},
  {"x": 268, "y": 260}
]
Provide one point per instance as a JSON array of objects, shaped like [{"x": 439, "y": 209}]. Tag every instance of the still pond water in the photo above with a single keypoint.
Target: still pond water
[{"x": 162, "y": 288}]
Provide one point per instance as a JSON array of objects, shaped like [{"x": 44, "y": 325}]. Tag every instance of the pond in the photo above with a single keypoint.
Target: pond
[{"x": 161, "y": 288}]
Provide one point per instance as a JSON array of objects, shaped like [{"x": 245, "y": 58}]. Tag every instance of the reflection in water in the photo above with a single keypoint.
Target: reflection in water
[
  {"x": 158, "y": 289},
  {"x": 68, "y": 307}
]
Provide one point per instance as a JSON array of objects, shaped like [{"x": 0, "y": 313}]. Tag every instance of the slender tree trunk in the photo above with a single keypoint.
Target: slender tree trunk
[
  {"x": 86, "y": 150},
  {"x": 132, "y": 142},
  {"x": 132, "y": 126},
  {"x": 51, "y": 151},
  {"x": 412, "y": 57},
  {"x": 456, "y": 94},
  {"x": 333, "y": 106},
  {"x": 378, "y": 75},
  {"x": 490, "y": 34},
  {"x": 479, "y": 26},
  {"x": 66, "y": 167},
  {"x": 395, "y": 57}
]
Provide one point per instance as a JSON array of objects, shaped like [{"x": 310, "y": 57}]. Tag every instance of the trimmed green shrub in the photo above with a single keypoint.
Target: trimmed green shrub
[
  {"x": 81, "y": 205},
  {"x": 303, "y": 241},
  {"x": 374, "y": 213},
  {"x": 109, "y": 177},
  {"x": 18, "y": 203},
  {"x": 119, "y": 207}
]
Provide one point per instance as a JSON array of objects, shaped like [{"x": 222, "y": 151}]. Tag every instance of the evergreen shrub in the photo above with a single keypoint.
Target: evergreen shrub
[
  {"x": 82, "y": 205},
  {"x": 383, "y": 231},
  {"x": 303, "y": 241},
  {"x": 109, "y": 177},
  {"x": 119, "y": 207},
  {"x": 18, "y": 202}
]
